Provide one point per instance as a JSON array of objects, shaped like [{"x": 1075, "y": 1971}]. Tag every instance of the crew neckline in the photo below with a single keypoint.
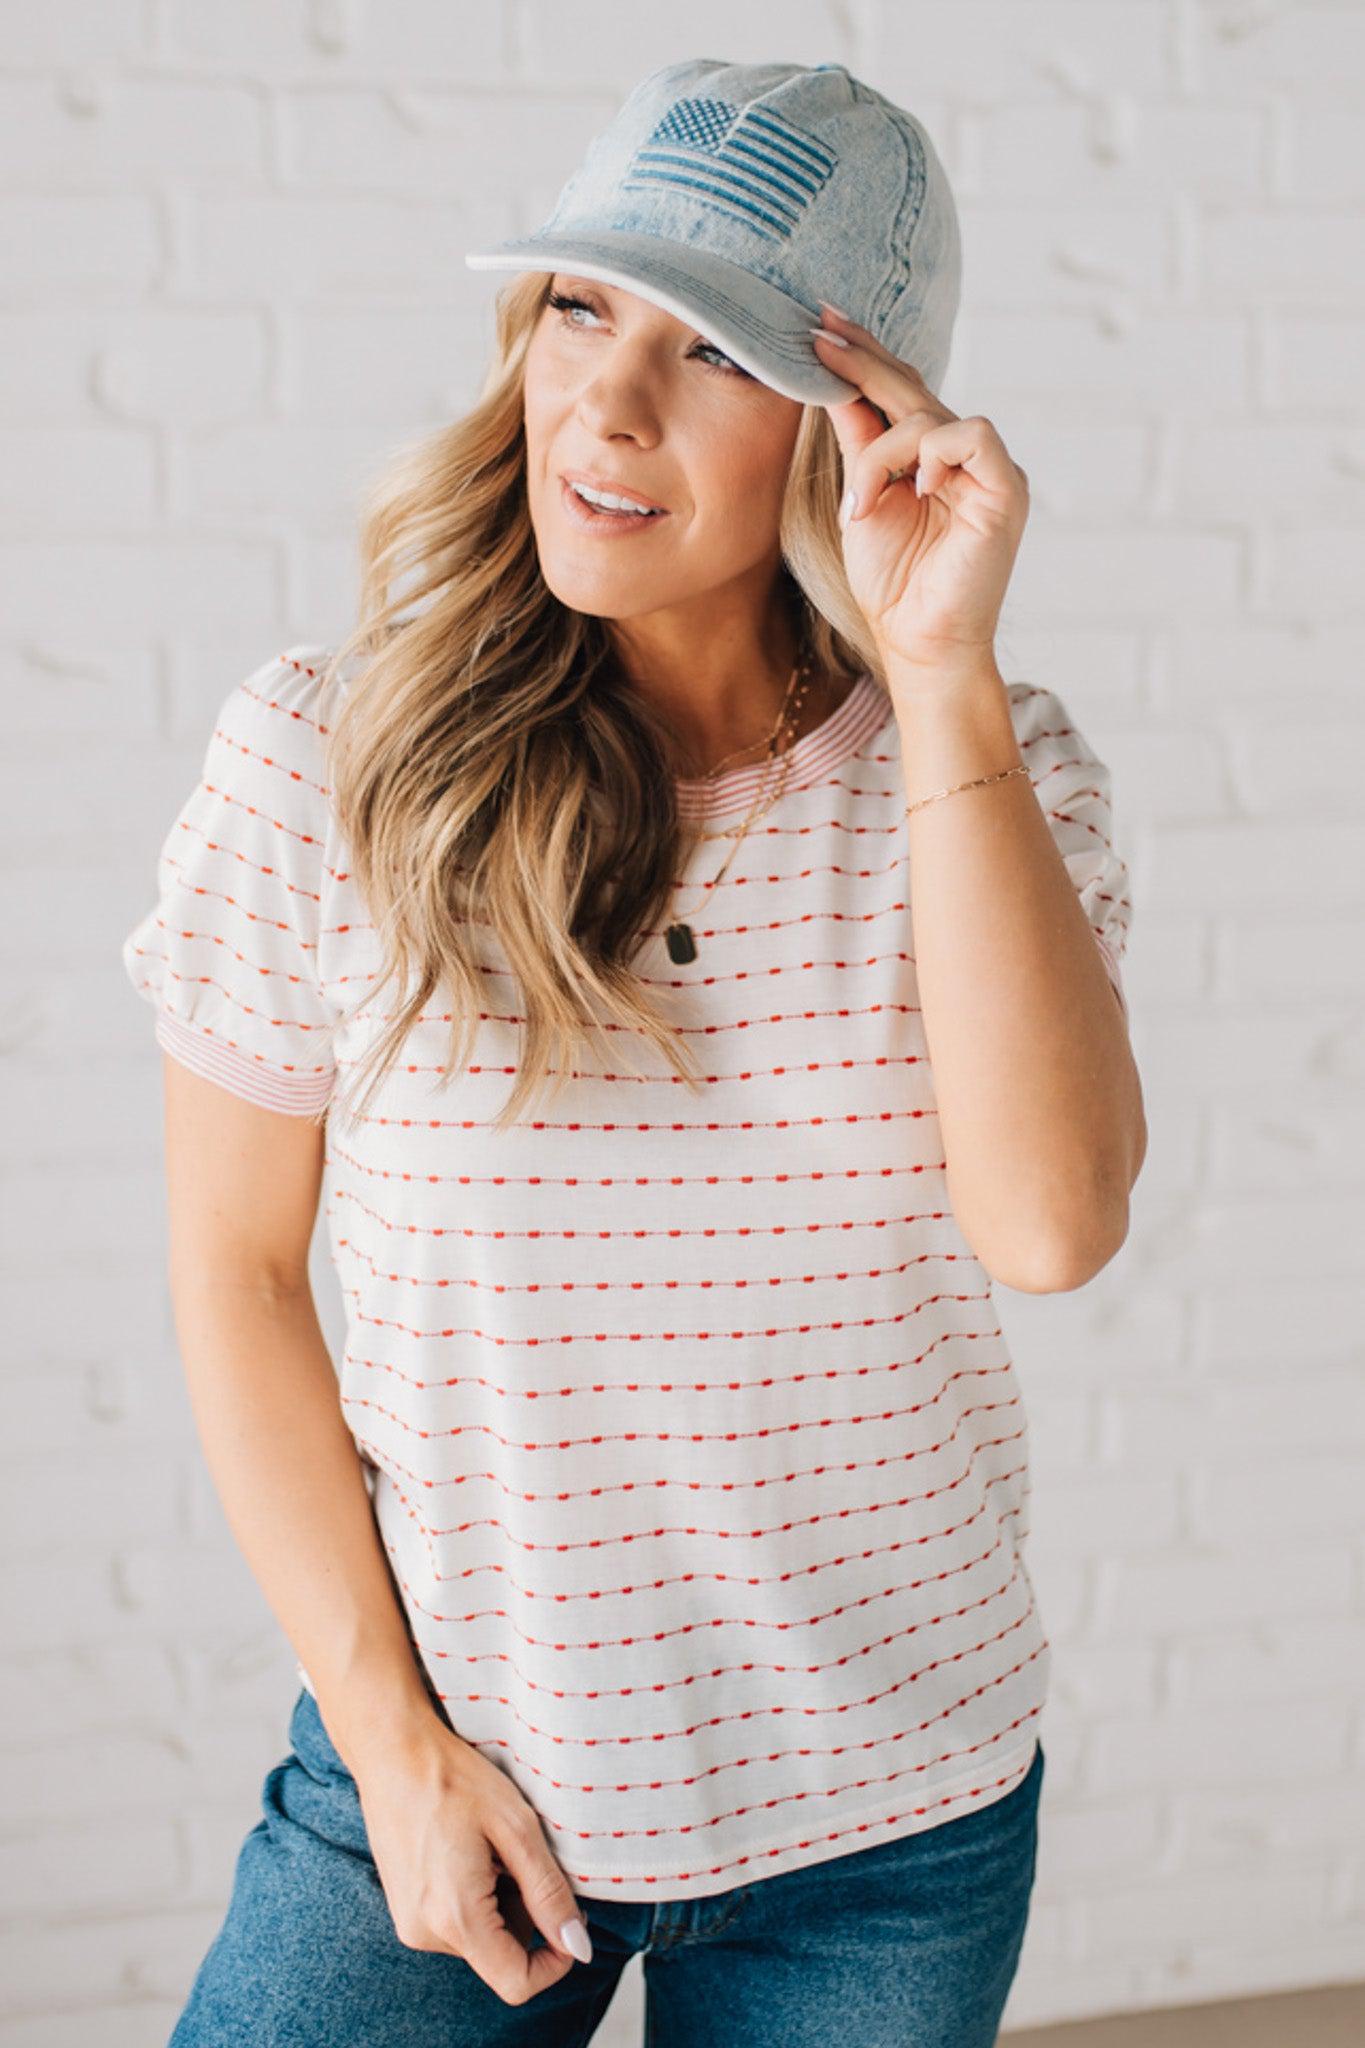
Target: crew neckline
[{"x": 814, "y": 757}]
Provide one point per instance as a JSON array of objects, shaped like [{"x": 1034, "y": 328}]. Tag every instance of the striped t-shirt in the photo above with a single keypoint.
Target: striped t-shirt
[{"x": 692, "y": 1434}]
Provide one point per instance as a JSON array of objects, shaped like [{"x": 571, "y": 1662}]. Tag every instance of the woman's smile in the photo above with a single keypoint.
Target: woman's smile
[{"x": 604, "y": 524}]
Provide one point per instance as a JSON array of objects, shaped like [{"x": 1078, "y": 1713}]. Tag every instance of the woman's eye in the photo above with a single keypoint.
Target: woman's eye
[
  {"x": 562, "y": 302},
  {"x": 733, "y": 367},
  {"x": 565, "y": 303}
]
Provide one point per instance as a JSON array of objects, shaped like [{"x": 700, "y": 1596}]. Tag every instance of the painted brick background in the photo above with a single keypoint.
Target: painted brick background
[{"x": 231, "y": 245}]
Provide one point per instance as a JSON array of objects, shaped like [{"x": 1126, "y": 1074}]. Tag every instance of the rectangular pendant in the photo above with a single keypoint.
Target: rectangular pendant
[{"x": 681, "y": 945}]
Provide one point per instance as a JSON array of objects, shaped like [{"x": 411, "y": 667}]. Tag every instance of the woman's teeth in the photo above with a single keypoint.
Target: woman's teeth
[{"x": 604, "y": 501}]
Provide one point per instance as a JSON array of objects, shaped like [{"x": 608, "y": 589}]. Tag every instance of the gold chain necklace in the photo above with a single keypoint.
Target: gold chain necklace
[{"x": 680, "y": 937}]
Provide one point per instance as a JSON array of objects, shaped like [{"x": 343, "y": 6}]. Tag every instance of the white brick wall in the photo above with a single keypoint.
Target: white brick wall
[{"x": 232, "y": 248}]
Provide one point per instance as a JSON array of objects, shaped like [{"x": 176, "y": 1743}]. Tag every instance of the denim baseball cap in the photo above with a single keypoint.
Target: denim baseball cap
[{"x": 737, "y": 196}]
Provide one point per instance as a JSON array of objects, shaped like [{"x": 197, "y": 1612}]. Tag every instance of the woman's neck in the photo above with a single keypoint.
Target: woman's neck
[{"x": 822, "y": 697}]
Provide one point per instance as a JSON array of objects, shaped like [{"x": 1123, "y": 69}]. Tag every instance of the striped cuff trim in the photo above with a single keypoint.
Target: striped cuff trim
[
  {"x": 1112, "y": 968},
  {"x": 294, "y": 1094}
]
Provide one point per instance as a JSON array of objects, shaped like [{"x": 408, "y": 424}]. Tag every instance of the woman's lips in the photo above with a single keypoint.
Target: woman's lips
[{"x": 605, "y": 524}]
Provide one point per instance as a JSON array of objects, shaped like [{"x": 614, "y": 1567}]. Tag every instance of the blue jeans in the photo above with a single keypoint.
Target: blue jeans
[{"x": 910, "y": 1943}]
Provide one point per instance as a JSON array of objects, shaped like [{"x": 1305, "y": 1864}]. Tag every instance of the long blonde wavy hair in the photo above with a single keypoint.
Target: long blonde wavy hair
[{"x": 492, "y": 762}]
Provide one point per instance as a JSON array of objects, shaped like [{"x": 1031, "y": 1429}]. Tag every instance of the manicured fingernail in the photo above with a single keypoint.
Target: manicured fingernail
[
  {"x": 837, "y": 311},
  {"x": 848, "y": 505},
  {"x": 828, "y": 334},
  {"x": 576, "y": 1940}
]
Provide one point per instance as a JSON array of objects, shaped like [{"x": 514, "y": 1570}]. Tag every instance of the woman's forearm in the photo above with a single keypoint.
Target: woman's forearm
[
  {"x": 1040, "y": 1105},
  {"x": 286, "y": 1468}
]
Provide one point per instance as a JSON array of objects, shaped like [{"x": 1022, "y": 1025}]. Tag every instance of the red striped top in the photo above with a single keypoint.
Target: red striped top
[{"x": 693, "y": 1437}]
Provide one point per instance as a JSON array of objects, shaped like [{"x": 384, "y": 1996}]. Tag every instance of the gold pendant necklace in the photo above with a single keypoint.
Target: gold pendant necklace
[{"x": 680, "y": 937}]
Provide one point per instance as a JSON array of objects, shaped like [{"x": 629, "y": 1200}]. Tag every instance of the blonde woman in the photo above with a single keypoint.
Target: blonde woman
[{"x": 693, "y": 974}]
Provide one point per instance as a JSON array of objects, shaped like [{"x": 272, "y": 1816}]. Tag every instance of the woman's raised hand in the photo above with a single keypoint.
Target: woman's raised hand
[{"x": 929, "y": 566}]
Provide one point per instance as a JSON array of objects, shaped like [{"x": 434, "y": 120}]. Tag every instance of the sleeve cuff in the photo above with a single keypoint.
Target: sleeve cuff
[
  {"x": 1115, "y": 973},
  {"x": 295, "y": 1094}
]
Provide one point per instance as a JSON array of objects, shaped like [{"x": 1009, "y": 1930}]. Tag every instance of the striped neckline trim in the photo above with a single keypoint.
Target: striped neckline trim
[{"x": 814, "y": 757}]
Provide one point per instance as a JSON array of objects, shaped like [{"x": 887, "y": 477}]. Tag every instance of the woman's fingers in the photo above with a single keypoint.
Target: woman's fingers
[
  {"x": 889, "y": 382},
  {"x": 894, "y": 393},
  {"x": 473, "y": 1928},
  {"x": 930, "y": 450},
  {"x": 545, "y": 1892}
]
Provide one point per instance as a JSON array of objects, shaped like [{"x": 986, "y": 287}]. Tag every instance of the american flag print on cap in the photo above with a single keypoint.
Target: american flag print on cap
[{"x": 755, "y": 165}]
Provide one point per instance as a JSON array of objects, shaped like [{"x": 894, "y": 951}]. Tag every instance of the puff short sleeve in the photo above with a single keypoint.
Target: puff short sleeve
[
  {"x": 1074, "y": 789},
  {"x": 228, "y": 953}
]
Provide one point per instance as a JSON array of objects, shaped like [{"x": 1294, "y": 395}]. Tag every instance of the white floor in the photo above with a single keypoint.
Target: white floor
[{"x": 1332, "y": 2018}]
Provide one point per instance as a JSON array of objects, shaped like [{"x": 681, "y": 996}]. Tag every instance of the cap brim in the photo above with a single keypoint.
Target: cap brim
[{"x": 759, "y": 327}]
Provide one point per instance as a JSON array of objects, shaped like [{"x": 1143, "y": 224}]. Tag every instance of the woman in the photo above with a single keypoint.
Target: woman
[{"x": 657, "y": 1579}]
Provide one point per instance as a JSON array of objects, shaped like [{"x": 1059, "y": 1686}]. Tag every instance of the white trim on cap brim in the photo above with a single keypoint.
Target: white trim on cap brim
[{"x": 713, "y": 275}]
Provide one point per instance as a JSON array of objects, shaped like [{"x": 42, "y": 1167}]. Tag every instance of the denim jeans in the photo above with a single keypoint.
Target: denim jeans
[{"x": 911, "y": 1943}]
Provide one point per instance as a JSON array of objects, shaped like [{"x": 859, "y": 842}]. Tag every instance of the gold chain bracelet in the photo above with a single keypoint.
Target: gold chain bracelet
[{"x": 1018, "y": 769}]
